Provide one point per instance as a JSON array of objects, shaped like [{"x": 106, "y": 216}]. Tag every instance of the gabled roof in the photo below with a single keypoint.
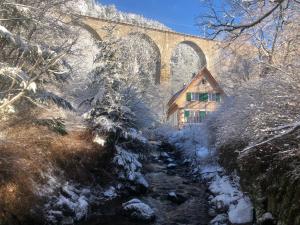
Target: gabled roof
[{"x": 204, "y": 72}]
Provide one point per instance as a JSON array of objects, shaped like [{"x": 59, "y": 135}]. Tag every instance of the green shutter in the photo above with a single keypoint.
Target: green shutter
[
  {"x": 218, "y": 97},
  {"x": 200, "y": 97},
  {"x": 189, "y": 96},
  {"x": 186, "y": 113},
  {"x": 202, "y": 115},
  {"x": 203, "y": 97}
]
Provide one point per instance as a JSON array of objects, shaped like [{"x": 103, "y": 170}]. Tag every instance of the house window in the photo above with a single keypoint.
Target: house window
[
  {"x": 202, "y": 115},
  {"x": 186, "y": 113},
  {"x": 203, "y": 81},
  {"x": 194, "y": 96},
  {"x": 203, "y": 97},
  {"x": 218, "y": 97},
  {"x": 188, "y": 96},
  {"x": 214, "y": 97},
  {"x": 194, "y": 116}
]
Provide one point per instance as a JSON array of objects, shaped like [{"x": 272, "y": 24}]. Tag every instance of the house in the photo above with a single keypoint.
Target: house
[{"x": 195, "y": 100}]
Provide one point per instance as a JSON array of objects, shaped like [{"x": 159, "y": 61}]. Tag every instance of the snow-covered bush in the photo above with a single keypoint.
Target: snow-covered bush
[
  {"x": 71, "y": 199},
  {"x": 108, "y": 109},
  {"x": 118, "y": 95},
  {"x": 129, "y": 168},
  {"x": 128, "y": 164}
]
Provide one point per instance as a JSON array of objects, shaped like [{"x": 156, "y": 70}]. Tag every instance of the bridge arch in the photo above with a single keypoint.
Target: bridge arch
[
  {"x": 198, "y": 50},
  {"x": 91, "y": 30},
  {"x": 155, "y": 52},
  {"x": 186, "y": 60}
]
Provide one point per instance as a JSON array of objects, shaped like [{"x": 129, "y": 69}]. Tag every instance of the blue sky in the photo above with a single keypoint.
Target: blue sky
[{"x": 180, "y": 15}]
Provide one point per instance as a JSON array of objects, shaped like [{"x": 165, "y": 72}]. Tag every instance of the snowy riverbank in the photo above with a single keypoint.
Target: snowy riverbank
[{"x": 226, "y": 200}]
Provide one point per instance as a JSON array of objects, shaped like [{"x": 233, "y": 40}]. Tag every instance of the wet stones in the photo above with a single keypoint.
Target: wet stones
[
  {"x": 266, "y": 219},
  {"x": 176, "y": 198},
  {"x": 67, "y": 221},
  {"x": 221, "y": 219},
  {"x": 167, "y": 157},
  {"x": 164, "y": 155},
  {"x": 186, "y": 162},
  {"x": 135, "y": 209},
  {"x": 171, "y": 166},
  {"x": 212, "y": 212},
  {"x": 110, "y": 193},
  {"x": 141, "y": 184}
]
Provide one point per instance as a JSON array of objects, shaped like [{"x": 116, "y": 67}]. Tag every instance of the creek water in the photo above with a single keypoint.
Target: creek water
[{"x": 163, "y": 179}]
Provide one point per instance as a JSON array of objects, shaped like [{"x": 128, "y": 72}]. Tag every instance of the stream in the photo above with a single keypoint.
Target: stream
[{"x": 175, "y": 197}]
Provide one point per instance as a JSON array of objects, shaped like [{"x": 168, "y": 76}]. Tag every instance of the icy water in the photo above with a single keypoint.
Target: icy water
[{"x": 191, "y": 209}]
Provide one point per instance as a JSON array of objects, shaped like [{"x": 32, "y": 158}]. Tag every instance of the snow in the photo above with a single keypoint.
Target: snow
[
  {"x": 206, "y": 170},
  {"x": 52, "y": 184},
  {"x": 127, "y": 161},
  {"x": 75, "y": 202},
  {"x": 171, "y": 165},
  {"x": 138, "y": 210},
  {"x": 165, "y": 155},
  {"x": 142, "y": 181},
  {"x": 221, "y": 185},
  {"x": 99, "y": 140},
  {"x": 219, "y": 220},
  {"x": 266, "y": 218},
  {"x": 172, "y": 194},
  {"x": 8, "y": 110},
  {"x": 202, "y": 152},
  {"x": 227, "y": 197},
  {"x": 129, "y": 167},
  {"x": 291, "y": 127},
  {"x": 22, "y": 44},
  {"x": 110, "y": 193},
  {"x": 32, "y": 87},
  {"x": 63, "y": 195},
  {"x": 23, "y": 8},
  {"x": 242, "y": 212},
  {"x": 4, "y": 33},
  {"x": 82, "y": 208},
  {"x": 110, "y": 12},
  {"x": 106, "y": 123},
  {"x": 133, "y": 133}
]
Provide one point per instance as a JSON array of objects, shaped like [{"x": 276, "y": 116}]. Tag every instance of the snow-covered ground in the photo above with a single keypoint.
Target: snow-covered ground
[
  {"x": 227, "y": 201},
  {"x": 66, "y": 201}
]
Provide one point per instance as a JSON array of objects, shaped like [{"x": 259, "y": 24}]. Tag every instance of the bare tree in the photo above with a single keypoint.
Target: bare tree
[{"x": 262, "y": 70}]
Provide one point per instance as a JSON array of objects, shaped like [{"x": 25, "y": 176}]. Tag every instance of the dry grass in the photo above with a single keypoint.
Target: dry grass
[{"x": 27, "y": 151}]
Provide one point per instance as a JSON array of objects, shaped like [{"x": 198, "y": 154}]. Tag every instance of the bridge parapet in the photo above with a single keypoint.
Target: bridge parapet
[{"x": 165, "y": 40}]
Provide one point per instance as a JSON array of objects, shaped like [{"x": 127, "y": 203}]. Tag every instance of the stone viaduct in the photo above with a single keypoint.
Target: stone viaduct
[{"x": 165, "y": 42}]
